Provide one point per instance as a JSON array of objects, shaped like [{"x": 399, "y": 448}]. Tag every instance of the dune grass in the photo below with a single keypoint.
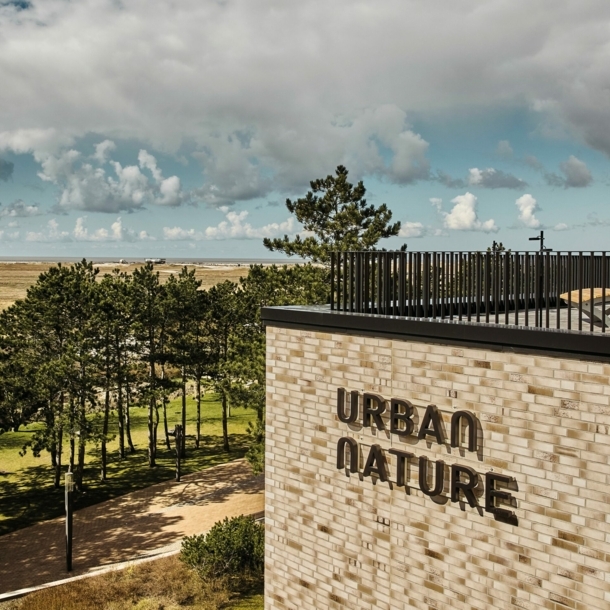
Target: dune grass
[
  {"x": 26, "y": 482},
  {"x": 163, "y": 584}
]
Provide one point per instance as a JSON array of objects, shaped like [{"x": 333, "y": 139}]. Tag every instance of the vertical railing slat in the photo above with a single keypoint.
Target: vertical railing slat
[
  {"x": 557, "y": 290},
  {"x": 603, "y": 285},
  {"x": 332, "y": 281},
  {"x": 580, "y": 284},
  {"x": 569, "y": 289},
  {"x": 591, "y": 290}
]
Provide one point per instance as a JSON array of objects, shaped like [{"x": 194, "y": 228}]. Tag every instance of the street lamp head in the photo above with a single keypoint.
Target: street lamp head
[{"x": 69, "y": 482}]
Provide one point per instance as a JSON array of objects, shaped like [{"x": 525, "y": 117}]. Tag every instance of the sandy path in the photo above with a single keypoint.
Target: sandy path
[{"x": 130, "y": 526}]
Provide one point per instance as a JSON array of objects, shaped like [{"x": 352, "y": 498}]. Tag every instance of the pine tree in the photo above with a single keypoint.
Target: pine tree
[
  {"x": 147, "y": 298},
  {"x": 224, "y": 317},
  {"x": 338, "y": 217},
  {"x": 182, "y": 301}
]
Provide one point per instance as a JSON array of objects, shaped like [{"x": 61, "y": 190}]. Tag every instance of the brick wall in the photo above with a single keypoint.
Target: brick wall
[{"x": 340, "y": 540}]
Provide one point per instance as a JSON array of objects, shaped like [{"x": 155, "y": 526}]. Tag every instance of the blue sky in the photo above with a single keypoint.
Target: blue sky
[{"x": 157, "y": 129}]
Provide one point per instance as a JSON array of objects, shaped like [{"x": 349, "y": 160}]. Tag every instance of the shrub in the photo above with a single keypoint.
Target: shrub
[{"x": 233, "y": 549}]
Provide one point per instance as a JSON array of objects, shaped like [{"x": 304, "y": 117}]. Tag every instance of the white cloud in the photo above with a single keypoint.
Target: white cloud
[
  {"x": 269, "y": 95},
  {"x": 146, "y": 160},
  {"x": 436, "y": 203},
  {"x": 86, "y": 187},
  {"x": 561, "y": 226},
  {"x": 494, "y": 179},
  {"x": 9, "y": 235},
  {"x": 39, "y": 142},
  {"x": 575, "y": 172},
  {"x": 51, "y": 234},
  {"x": 20, "y": 209},
  {"x": 412, "y": 229},
  {"x": 103, "y": 150},
  {"x": 116, "y": 233},
  {"x": 180, "y": 234},
  {"x": 463, "y": 216},
  {"x": 80, "y": 233},
  {"x": 504, "y": 149},
  {"x": 234, "y": 227},
  {"x": 528, "y": 206}
]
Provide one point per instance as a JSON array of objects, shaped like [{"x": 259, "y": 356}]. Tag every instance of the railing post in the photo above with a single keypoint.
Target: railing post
[
  {"x": 345, "y": 280},
  {"x": 547, "y": 282},
  {"x": 358, "y": 305},
  {"x": 332, "y": 281},
  {"x": 591, "y": 289},
  {"x": 603, "y": 284},
  {"x": 426, "y": 284},
  {"x": 580, "y": 283},
  {"x": 558, "y": 287},
  {"x": 402, "y": 283},
  {"x": 570, "y": 288}
]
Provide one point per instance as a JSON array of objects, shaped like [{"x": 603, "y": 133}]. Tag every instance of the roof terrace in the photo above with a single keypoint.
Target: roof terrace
[{"x": 551, "y": 290}]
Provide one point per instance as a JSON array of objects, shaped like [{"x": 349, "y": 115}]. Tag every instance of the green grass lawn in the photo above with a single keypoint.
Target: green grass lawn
[
  {"x": 253, "y": 601},
  {"x": 26, "y": 482}
]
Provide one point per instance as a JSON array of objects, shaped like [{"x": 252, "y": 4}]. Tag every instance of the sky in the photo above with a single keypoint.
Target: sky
[{"x": 178, "y": 129}]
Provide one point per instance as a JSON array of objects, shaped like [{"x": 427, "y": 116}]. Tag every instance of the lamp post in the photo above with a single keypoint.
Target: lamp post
[
  {"x": 69, "y": 491},
  {"x": 177, "y": 434}
]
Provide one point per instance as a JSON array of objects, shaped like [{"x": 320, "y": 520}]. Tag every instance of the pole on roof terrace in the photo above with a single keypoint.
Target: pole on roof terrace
[{"x": 540, "y": 288}]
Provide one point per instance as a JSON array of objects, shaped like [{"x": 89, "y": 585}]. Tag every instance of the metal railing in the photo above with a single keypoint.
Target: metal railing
[{"x": 522, "y": 288}]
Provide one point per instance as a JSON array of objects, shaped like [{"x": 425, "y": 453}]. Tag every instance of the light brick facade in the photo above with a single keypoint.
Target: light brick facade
[{"x": 342, "y": 541}]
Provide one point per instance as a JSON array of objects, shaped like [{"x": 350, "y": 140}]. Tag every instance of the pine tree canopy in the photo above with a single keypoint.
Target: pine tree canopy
[{"x": 336, "y": 217}]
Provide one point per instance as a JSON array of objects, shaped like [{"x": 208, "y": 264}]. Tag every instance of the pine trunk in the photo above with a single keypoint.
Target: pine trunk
[
  {"x": 104, "y": 455},
  {"x": 82, "y": 420},
  {"x": 165, "y": 425},
  {"x": 225, "y": 427},
  {"x": 119, "y": 404},
  {"x": 151, "y": 433},
  {"x": 198, "y": 434},
  {"x": 120, "y": 417},
  {"x": 183, "y": 447},
  {"x": 105, "y": 434},
  {"x": 132, "y": 449},
  {"x": 58, "y": 450}
]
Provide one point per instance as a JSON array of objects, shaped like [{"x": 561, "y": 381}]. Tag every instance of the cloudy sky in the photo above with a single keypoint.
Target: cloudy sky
[{"x": 164, "y": 128}]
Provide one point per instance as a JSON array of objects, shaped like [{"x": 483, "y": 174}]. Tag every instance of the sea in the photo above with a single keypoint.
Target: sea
[{"x": 136, "y": 260}]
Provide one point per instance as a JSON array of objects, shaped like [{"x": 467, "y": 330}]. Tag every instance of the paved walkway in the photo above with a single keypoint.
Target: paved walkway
[{"x": 139, "y": 524}]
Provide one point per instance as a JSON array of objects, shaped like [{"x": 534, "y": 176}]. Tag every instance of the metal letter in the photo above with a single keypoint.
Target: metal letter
[
  {"x": 491, "y": 493},
  {"x": 353, "y": 453},
  {"x": 437, "y": 431},
  {"x": 466, "y": 488},
  {"x": 401, "y": 411},
  {"x": 423, "y": 477},
  {"x": 401, "y": 463},
  {"x": 353, "y": 413},
  {"x": 375, "y": 412},
  {"x": 471, "y": 422},
  {"x": 376, "y": 464}
]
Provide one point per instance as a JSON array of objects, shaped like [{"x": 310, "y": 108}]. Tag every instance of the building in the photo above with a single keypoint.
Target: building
[{"x": 438, "y": 437}]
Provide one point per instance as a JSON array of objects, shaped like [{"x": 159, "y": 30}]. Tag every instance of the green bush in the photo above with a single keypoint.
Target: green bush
[{"x": 233, "y": 549}]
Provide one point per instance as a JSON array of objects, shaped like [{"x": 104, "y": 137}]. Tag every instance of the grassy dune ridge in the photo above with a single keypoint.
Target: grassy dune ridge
[
  {"x": 163, "y": 584},
  {"x": 16, "y": 278}
]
